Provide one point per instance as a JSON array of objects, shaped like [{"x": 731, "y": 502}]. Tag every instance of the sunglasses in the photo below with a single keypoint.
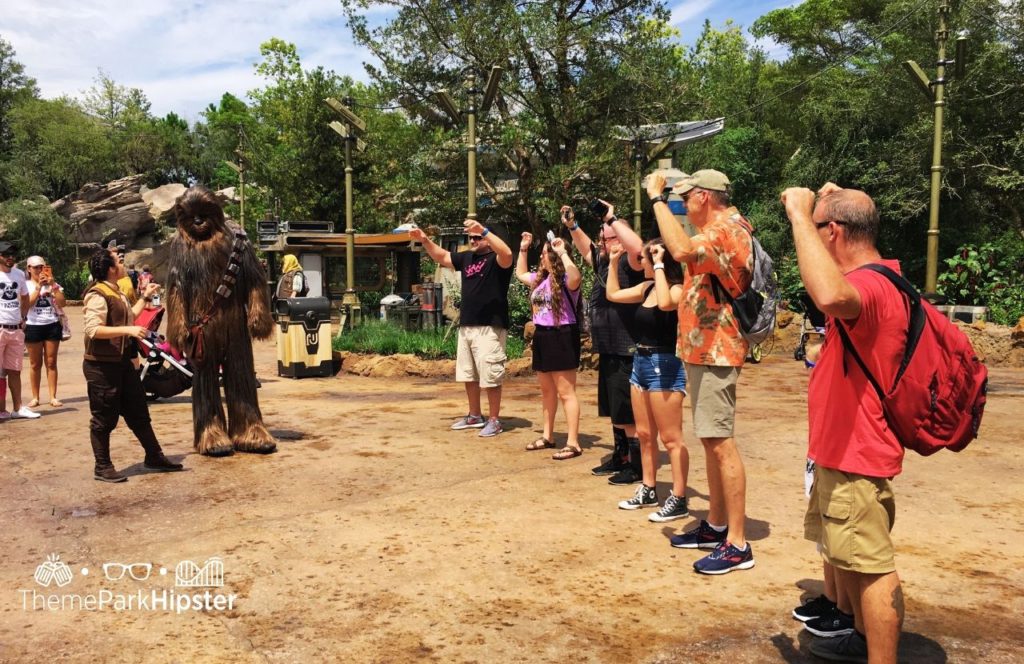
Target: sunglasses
[
  {"x": 823, "y": 224},
  {"x": 475, "y": 238}
]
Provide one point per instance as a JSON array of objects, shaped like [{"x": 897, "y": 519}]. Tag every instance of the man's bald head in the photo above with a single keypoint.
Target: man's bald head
[{"x": 854, "y": 210}]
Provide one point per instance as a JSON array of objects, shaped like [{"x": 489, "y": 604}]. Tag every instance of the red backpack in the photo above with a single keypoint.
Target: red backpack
[{"x": 938, "y": 396}]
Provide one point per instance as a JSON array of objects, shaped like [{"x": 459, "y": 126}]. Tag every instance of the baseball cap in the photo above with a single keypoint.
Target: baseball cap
[
  {"x": 8, "y": 247},
  {"x": 33, "y": 261},
  {"x": 709, "y": 179}
]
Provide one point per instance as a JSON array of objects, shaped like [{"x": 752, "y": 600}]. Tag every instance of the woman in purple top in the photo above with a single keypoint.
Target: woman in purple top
[{"x": 554, "y": 294}]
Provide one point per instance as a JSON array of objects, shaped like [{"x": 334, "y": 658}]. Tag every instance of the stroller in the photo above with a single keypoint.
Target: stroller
[
  {"x": 165, "y": 372},
  {"x": 812, "y": 324}
]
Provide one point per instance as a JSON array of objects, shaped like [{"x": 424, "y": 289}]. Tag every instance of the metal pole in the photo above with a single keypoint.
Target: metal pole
[
  {"x": 241, "y": 195},
  {"x": 349, "y": 299},
  {"x": 931, "y": 270},
  {"x": 471, "y": 148}
]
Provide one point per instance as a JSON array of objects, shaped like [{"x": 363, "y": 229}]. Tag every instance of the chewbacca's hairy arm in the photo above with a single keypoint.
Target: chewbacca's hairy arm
[
  {"x": 177, "y": 312},
  {"x": 260, "y": 322}
]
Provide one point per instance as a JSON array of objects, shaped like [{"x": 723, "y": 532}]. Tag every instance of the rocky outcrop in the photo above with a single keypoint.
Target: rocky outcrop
[{"x": 129, "y": 212}]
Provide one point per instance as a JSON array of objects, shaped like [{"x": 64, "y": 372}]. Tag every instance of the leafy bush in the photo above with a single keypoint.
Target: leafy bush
[
  {"x": 386, "y": 338},
  {"x": 988, "y": 275}
]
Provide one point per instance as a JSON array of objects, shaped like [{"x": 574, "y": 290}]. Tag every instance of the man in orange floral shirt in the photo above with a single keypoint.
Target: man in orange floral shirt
[{"x": 714, "y": 351}]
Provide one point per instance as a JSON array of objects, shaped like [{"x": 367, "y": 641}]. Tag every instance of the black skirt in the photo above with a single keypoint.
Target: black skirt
[{"x": 556, "y": 348}]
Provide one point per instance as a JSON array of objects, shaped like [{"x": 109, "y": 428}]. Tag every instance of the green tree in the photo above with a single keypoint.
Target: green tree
[
  {"x": 57, "y": 149},
  {"x": 38, "y": 230},
  {"x": 15, "y": 87},
  {"x": 574, "y": 70}
]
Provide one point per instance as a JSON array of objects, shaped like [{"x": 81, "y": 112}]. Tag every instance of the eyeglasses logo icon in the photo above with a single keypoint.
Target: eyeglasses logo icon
[
  {"x": 116, "y": 571},
  {"x": 53, "y": 570}
]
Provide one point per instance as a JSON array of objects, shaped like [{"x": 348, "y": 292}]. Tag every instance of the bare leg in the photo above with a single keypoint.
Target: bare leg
[
  {"x": 35, "y": 360},
  {"x": 493, "y": 401},
  {"x": 732, "y": 485},
  {"x": 51, "y": 348},
  {"x": 14, "y": 385},
  {"x": 473, "y": 397},
  {"x": 565, "y": 384},
  {"x": 667, "y": 409},
  {"x": 878, "y": 611},
  {"x": 549, "y": 402},
  {"x": 647, "y": 432}
]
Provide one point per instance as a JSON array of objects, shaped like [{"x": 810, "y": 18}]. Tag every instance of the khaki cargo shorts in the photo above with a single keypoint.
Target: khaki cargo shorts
[
  {"x": 481, "y": 355},
  {"x": 713, "y": 399},
  {"x": 851, "y": 517}
]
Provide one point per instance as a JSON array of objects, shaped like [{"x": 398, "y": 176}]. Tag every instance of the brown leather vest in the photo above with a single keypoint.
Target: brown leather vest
[{"x": 118, "y": 315}]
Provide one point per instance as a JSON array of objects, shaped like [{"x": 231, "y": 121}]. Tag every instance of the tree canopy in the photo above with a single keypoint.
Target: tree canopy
[{"x": 832, "y": 102}]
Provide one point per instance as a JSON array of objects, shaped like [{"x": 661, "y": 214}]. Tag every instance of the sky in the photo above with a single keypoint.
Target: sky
[{"x": 184, "y": 54}]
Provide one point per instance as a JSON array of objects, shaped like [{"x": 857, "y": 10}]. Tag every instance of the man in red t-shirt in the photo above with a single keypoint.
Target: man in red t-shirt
[{"x": 852, "y": 507}]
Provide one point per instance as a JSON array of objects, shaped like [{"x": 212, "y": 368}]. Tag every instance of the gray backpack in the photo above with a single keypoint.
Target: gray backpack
[{"x": 755, "y": 307}]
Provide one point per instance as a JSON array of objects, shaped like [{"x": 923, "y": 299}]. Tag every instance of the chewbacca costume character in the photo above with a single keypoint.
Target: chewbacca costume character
[{"x": 216, "y": 298}]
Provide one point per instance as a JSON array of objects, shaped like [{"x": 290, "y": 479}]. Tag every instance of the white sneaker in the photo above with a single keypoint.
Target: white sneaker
[{"x": 25, "y": 413}]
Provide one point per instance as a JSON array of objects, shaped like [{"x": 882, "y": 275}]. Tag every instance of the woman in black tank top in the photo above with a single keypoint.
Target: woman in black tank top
[{"x": 659, "y": 378}]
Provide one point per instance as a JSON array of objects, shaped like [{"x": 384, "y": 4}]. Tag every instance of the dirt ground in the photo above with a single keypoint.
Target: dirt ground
[{"x": 376, "y": 534}]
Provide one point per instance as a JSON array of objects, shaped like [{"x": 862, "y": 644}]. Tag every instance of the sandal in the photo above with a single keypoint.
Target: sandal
[
  {"x": 56, "y": 403},
  {"x": 33, "y": 403},
  {"x": 539, "y": 444},
  {"x": 567, "y": 452}
]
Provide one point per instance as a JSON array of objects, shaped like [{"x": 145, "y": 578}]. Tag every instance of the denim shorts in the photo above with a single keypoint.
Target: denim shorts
[{"x": 658, "y": 372}]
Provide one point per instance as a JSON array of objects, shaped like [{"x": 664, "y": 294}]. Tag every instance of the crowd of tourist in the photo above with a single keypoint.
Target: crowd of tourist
[{"x": 663, "y": 333}]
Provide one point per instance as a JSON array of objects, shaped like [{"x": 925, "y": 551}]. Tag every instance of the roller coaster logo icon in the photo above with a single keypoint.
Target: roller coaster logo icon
[{"x": 190, "y": 575}]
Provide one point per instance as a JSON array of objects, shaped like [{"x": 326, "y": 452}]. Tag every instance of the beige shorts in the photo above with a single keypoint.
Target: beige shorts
[
  {"x": 851, "y": 517},
  {"x": 481, "y": 355},
  {"x": 713, "y": 399}
]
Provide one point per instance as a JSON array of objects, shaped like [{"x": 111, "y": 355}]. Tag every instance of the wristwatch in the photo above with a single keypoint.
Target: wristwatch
[{"x": 658, "y": 199}]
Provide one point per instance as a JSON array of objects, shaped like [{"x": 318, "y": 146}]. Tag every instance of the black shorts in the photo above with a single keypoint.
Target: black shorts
[
  {"x": 613, "y": 398},
  {"x": 556, "y": 348},
  {"x": 37, "y": 333}
]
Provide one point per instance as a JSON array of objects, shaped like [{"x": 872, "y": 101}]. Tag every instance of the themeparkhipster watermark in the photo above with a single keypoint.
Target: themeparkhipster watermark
[{"x": 196, "y": 588}]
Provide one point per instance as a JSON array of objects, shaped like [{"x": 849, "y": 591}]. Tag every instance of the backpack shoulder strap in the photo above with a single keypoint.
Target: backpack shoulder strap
[{"x": 917, "y": 320}]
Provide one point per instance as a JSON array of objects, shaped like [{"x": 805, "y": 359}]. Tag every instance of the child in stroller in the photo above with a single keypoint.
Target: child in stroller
[
  {"x": 165, "y": 372},
  {"x": 812, "y": 324}
]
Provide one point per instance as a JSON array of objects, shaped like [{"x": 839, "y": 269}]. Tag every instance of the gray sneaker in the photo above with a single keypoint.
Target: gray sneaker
[
  {"x": 850, "y": 648},
  {"x": 492, "y": 428},
  {"x": 469, "y": 422},
  {"x": 674, "y": 508}
]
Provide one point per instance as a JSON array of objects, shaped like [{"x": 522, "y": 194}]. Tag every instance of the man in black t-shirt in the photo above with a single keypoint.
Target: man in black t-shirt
[
  {"x": 483, "y": 320},
  {"x": 609, "y": 333}
]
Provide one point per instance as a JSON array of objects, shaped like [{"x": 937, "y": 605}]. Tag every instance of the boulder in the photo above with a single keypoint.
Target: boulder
[
  {"x": 161, "y": 201},
  {"x": 1017, "y": 333}
]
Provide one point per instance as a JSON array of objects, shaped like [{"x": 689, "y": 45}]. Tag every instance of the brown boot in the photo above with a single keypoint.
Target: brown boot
[
  {"x": 109, "y": 474},
  {"x": 162, "y": 464}
]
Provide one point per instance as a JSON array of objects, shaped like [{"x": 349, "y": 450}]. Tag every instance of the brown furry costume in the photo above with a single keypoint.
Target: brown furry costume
[{"x": 200, "y": 253}]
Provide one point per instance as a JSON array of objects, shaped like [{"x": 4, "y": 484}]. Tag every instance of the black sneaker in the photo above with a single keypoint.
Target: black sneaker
[
  {"x": 627, "y": 475},
  {"x": 834, "y": 623},
  {"x": 852, "y": 647},
  {"x": 701, "y": 537},
  {"x": 674, "y": 508},
  {"x": 645, "y": 496},
  {"x": 818, "y": 607},
  {"x": 609, "y": 467}
]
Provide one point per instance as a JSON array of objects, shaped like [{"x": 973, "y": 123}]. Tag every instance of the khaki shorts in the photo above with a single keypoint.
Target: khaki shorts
[
  {"x": 481, "y": 355},
  {"x": 851, "y": 517},
  {"x": 713, "y": 399}
]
